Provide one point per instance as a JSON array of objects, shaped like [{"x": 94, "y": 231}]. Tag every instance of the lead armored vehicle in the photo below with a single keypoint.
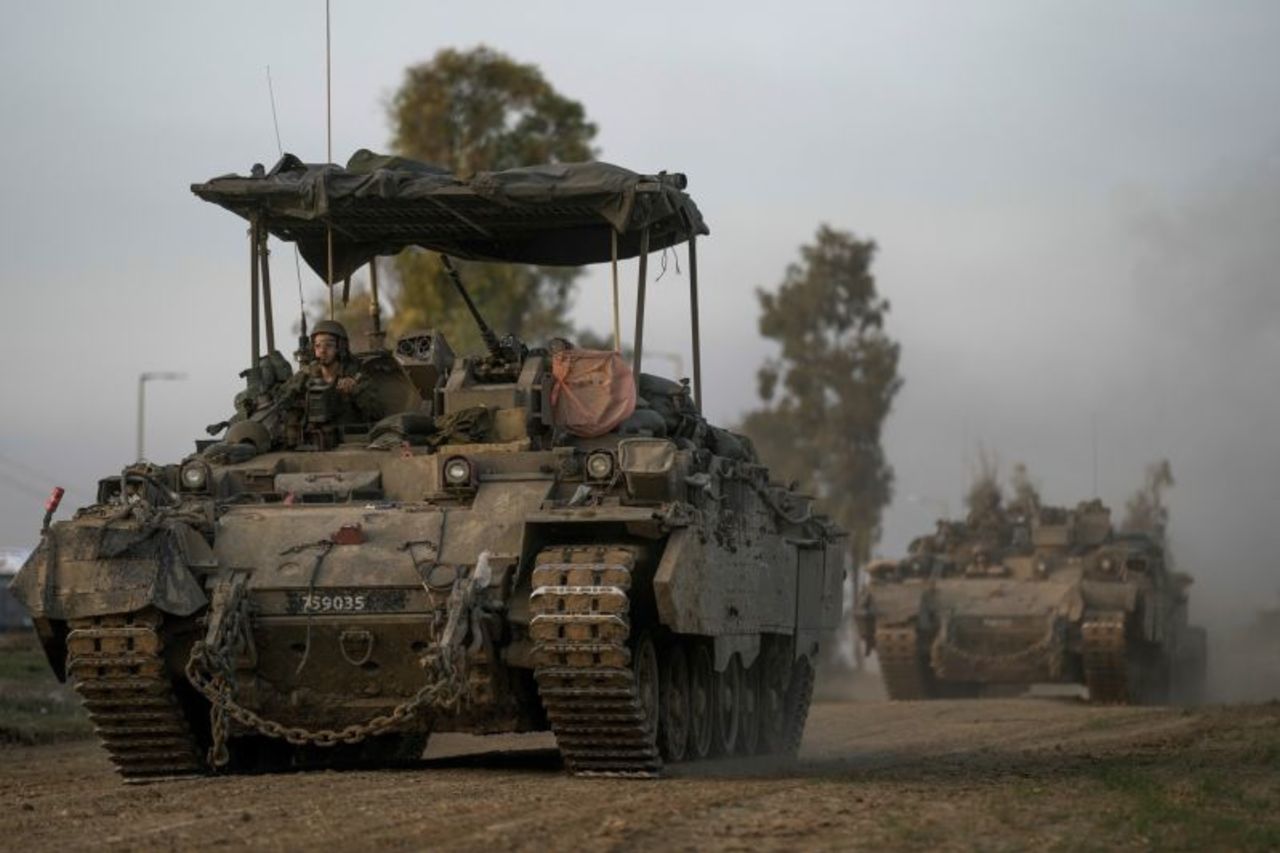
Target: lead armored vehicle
[
  {"x": 527, "y": 539},
  {"x": 1033, "y": 595}
]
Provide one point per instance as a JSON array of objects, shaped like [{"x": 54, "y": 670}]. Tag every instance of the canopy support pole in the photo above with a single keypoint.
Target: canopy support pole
[
  {"x": 617, "y": 318},
  {"x": 328, "y": 280},
  {"x": 376, "y": 338},
  {"x": 644, "y": 269},
  {"x": 693, "y": 306},
  {"x": 253, "y": 288},
  {"x": 265, "y": 254}
]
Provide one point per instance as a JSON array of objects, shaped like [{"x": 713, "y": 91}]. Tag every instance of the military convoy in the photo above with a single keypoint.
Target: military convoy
[
  {"x": 528, "y": 539},
  {"x": 1029, "y": 594}
]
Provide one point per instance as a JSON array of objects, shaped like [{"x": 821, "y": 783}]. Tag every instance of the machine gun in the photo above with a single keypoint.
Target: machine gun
[
  {"x": 263, "y": 405},
  {"x": 507, "y": 352}
]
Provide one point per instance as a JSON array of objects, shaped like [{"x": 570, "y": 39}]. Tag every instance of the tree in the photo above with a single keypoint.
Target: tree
[
  {"x": 827, "y": 393},
  {"x": 474, "y": 111}
]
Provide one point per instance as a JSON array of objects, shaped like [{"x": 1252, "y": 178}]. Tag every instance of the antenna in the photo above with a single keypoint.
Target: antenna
[
  {"x": 1094, "y": 419},
  {"x": 297, "y": 263},
  {"x": 328, "y": 145}
]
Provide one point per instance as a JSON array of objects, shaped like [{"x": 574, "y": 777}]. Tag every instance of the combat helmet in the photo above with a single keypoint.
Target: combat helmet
[
  {"x": 333, "y": 327},
  {"x": 330, "y": 327}
]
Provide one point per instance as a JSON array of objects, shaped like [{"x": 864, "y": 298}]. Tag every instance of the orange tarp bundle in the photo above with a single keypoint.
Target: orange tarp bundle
[{"x": 593, "y": 391}]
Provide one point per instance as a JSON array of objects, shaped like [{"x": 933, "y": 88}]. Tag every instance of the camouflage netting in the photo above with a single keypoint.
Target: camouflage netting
[{"x": 557, "y": 215}]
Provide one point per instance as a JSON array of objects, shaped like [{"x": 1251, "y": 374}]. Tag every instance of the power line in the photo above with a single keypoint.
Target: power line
[
  {"x": 24, "y": 468},
  {"x": 19, "y": 486},
  {"x": 31, "y": 480}
]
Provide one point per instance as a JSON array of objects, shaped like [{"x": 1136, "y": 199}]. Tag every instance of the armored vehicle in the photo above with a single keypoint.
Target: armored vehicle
[
  {"x": 525, "y": 539},
  {"x": 1257, "y": 657},
  {"x": 1041, "y": 595}
]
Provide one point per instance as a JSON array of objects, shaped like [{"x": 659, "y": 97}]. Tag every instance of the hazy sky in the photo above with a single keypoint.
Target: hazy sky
[{"x": 1077, "y": 206}]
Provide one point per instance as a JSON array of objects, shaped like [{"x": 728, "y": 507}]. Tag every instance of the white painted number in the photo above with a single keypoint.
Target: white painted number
[{"x": 332, "y": 603}]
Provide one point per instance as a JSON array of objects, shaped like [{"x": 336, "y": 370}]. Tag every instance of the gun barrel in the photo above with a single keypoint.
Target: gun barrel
[{"x": 490, "y": 339}]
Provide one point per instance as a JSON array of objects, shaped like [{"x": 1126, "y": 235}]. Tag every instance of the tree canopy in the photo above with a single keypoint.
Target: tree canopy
[
  {"x": 472, "y": 111},
  {"x": 825, "y": 397}
]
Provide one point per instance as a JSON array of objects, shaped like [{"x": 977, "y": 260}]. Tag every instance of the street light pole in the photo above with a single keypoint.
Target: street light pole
[{"x": 143, "y": 379}]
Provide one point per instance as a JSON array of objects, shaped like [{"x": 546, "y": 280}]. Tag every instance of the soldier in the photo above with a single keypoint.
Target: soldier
[{"x": 333, "y": 365}]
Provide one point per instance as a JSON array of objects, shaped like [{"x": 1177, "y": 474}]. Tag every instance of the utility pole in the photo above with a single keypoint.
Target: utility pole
[{"x": 143, "y": 379}]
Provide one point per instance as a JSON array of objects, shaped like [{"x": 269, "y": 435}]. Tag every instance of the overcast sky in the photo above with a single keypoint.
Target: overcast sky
[{"x": 1077, "y": 206}]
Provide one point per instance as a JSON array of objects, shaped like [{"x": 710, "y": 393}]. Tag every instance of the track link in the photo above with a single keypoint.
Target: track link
[
  {"x": 901, "y": 665},
  {"x": 1106, "y": 662},
  {"x": 580, "y": 628},
  {"x": 117, "y": 665},
  {"x": 799, "y": 698}
]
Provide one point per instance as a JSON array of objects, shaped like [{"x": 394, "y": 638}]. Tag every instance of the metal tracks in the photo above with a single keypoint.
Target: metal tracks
[
  {"x": 901, "y": 666},
  {"x": 117, "y": 665},
  {"x": 799, "y": 696},
  {"x": 1106, "y": 662},
  {"x": 595, "y": 699}
]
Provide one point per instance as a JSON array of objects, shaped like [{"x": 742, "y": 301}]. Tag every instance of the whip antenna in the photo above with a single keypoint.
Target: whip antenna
[
  {"x": 328, "y": 145},
  {"x": 297, "y": 264}
]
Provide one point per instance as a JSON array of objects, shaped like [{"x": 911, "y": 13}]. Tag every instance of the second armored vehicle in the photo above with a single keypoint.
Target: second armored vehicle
[{"x": 1029, "y": 596}]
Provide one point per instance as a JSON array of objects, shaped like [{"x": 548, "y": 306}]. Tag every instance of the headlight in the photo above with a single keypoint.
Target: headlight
[
  {"x": 194, "y": 476},
  {"x": 457, "y": 472},
  {"x": 600, "y": 465},
  {"x": 1107, "y": 565}
]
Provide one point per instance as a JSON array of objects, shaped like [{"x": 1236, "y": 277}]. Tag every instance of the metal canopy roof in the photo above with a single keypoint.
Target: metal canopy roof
[{"x": 557, "y": 215}]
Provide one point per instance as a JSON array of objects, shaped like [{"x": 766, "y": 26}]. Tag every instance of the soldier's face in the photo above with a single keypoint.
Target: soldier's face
[{"x": 325, "y": 348}]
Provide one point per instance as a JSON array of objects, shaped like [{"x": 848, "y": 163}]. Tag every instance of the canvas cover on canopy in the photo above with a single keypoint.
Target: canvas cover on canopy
[{"x": 558, "y": 214}]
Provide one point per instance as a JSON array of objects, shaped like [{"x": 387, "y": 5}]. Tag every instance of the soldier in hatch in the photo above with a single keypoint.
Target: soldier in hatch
[{"x": 354, "y": 398}]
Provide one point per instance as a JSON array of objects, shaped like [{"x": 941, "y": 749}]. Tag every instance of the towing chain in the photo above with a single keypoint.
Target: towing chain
[
  {"x": 946, "y": 652},
  {"x": 211, "y": 668}
]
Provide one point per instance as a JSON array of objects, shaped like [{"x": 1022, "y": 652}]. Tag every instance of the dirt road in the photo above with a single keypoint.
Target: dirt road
[{"x": 992, "y": 775}]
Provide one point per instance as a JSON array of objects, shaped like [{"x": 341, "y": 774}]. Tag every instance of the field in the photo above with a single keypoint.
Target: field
[{"x": 34, "y": 707}]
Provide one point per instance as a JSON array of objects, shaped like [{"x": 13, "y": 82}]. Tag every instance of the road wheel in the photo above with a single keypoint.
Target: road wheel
[
  {"x": 702, "y": 701},
  {"x": 644, "y": 666},
  {"x": 728, "y": 706},
  {"x": 749, "y": 723},
  {"x": 673, "y": 731}
]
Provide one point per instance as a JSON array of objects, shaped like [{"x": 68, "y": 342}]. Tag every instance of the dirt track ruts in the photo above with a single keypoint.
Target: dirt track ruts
[{"x": 995, "y": 774}]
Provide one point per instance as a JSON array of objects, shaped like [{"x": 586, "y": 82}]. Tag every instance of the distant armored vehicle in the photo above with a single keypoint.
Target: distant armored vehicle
[
  {"x": 528, "y": 539},
  {"x": 1032, "y": 596},
  {"x": 1258, "y": 652}
]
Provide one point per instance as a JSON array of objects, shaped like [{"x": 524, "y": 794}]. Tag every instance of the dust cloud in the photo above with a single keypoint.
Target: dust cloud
[{"x": 1204, "y": 359}]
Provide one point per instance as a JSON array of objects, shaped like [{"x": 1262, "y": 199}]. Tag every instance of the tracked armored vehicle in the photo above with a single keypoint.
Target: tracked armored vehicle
[
  {"x": 529, "y": 539},
  {"x": 1043, "y": 595}
]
